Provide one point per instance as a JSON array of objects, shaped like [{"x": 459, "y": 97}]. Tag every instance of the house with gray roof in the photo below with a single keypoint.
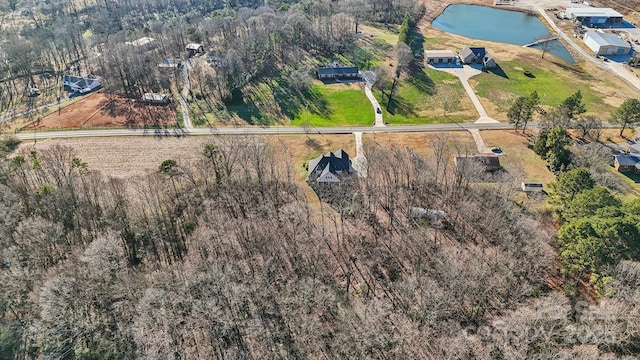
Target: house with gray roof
[
  {"x": 82, "y": 85},
  {"x": 336, "y": 70},
  {"x": 330, "y": 167},
  {"x": 476, "y": 55},
  {"x": 626, "y": 162},
  {"x": 606, "y": 44}
]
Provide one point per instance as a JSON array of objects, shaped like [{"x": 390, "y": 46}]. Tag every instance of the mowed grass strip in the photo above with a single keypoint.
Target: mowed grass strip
[{"x": 345, "y": 105}]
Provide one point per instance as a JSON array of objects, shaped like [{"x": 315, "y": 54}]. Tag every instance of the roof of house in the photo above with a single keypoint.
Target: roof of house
[
  {"x": 139, "y": 42},
  {"x": 592, "y": 12},
  {"x": 338, "y": 161},
  {"x": 194, "y": 46},
  {"x": 154, "y": 97},
  {"x": 439, "y": 53},
  {"x": 604, "y": 39},
  {"x": 490, "y": 161},
  {"x": 478, "y": 52},
  {"x": 338, "y": 70},
  {"x": 627, "y": 159}
]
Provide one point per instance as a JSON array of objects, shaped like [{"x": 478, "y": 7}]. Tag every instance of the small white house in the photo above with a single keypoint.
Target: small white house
[{"x": 606, "y": 44}]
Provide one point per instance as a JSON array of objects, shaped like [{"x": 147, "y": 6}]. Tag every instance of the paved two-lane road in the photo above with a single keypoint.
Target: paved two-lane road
[{"x": 257, "y": 131}]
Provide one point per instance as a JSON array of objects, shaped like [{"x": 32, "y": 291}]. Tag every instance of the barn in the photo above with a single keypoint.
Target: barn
[
  {"x": 606, "y": 44},
  {"x": 594, "y": 17}
]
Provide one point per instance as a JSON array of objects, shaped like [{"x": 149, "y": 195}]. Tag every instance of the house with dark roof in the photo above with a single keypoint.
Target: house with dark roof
[
  {"x": 487, "y": 162},
  {"x": 626, "y": 162},
  {"x": 336, "y": 70},
  {"x": 330, "y": 167},
  {"x": 476, "y": 55}
]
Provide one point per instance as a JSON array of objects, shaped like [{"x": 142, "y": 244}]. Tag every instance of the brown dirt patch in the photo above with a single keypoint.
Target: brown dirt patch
[{"x": 104, "y": 110}]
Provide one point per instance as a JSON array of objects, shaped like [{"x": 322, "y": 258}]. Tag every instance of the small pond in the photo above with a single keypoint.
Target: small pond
[{"x": 486, "y": 23}]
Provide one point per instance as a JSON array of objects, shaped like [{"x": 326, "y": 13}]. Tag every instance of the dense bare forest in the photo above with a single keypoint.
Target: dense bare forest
[{"x": 224, "y": 257}]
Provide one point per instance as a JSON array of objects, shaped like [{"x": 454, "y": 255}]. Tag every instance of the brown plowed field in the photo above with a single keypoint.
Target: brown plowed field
[{"x": 100, "y": 110}]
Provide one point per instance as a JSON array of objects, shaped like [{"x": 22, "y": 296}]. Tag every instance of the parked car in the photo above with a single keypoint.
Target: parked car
[
  {"x": 496, "y": 150},
  {"x": 378, "y": 111}
]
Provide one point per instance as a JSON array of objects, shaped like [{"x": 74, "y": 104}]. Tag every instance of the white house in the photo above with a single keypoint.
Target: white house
[
  {"x": 606, "y": 44},
  {"x": 435, "y": 57}
]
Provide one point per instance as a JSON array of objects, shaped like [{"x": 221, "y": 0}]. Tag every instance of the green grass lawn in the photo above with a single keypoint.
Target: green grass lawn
[
  {"x": 337, "y": 105},
  {"x": 501, "y": 87},
  {"x": 421, "y": 98},
  {"x": 389, "y": 35}
]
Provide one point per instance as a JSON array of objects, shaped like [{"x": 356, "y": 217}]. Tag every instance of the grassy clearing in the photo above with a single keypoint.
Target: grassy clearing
[
  {"x": 502, "y": 86},
  {"x": 518, "y": 159},
  {"x": 388, "y": 34},
  {"x": 422, "y": 143},
  {"x": 336, "y": 105},
  {"x": 427, "y": 96}
]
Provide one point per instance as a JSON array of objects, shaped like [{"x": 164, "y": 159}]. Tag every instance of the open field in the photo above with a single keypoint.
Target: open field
[
  {"x": 422, "y": 143},
  {"x": 102, "y": 110}
]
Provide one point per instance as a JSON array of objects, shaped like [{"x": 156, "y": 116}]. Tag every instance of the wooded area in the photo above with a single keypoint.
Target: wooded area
[{"x": 224, "y": 257}]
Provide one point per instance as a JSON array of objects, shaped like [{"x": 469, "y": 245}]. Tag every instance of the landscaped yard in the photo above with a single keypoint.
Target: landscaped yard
[
  {"x": 336, "y": 105},
  {"x": 428, "y": 96}
]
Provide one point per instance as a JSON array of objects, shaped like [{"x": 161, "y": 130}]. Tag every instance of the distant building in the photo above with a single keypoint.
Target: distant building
[
  {"x": 594, "y": 17},
  {"x": 194, "y": 48},
  {"x": 81, "y": 85},
  {"x": 626, "y": 162},
  {"x": 155, "y": 98},
  {"x": 476, "y": 55},
  {"x": 487, "y": 162},
  {"x": 330, "y": 167},
  {"x": 144, "y": 43},
  {"x": 532, "y": 187},
  {"x": 336, "y": 70},
  {"x": 170, "y": 63},
  {"x": 435, "y": 57},
  {"x": 606, "y": 44}
]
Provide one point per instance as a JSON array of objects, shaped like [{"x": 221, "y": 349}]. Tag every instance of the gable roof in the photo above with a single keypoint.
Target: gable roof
[
  {"x": 439, "y": 53},
  {"x": 592, "y": 12},
  {"x": 337, "y": 70},
  {"x": 333, "y": 162},
  {"x": 478, "y": 52},
  {"x": 140, "y": 42},
  {"x": 604, "y": 39},
  {"x": 627, "y": 159}
]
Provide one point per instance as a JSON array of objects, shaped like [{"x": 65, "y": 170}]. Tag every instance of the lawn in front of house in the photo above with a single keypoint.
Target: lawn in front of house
[
  {"x": 338, "y": 104},
  {"x": 427, "y": 96}
]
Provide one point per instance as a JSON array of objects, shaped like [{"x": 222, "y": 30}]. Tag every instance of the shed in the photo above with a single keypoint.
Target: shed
[
  {"x": 155, "y": 98},
  {"x": 606, "y": 44},
  {"x": 531, "y": 187},
  {"x": 626, "y": 162},
  {"x": 435, "y": 57},
  {"x": 194, "y": 48}
]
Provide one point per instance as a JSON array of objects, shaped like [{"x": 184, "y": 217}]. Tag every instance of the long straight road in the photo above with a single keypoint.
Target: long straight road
[{"x": 258, "y": 131}]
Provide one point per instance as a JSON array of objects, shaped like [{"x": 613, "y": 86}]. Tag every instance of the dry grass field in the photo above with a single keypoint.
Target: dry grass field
[{"x": 101, "y": 110}]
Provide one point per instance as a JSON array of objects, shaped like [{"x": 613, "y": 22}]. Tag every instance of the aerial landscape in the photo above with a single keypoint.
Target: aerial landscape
[{"x": 315, "y": 179}]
